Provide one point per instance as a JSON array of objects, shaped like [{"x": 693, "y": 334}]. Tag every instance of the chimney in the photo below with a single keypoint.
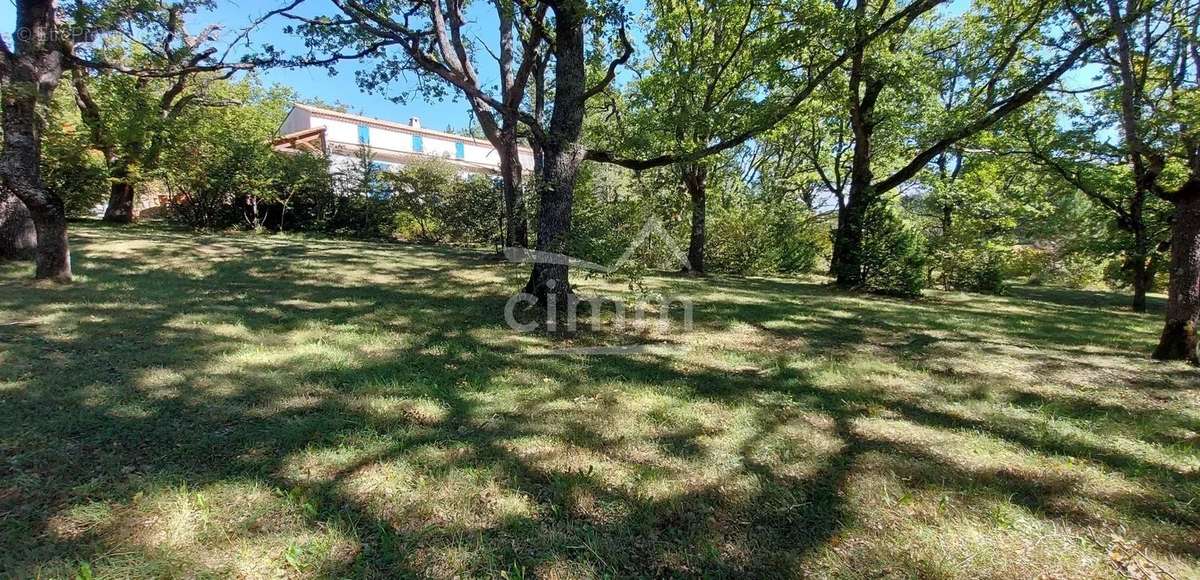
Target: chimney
[{"x": 414, "y": 122}]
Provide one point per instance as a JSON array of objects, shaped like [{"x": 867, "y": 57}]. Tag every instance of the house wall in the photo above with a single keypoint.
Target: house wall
[
  {"x": 343, "y": 134},
  {"x": 297, "y": 120}
]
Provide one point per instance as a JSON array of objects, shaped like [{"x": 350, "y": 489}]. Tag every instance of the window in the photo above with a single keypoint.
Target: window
[
  {"x": 364, "y": 135},
  {"x": 418, "y": 144},
  {"x": 460, "y": 150}
]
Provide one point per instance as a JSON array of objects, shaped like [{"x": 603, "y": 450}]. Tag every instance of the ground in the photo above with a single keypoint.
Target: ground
[{"x": 259, "y": 406}]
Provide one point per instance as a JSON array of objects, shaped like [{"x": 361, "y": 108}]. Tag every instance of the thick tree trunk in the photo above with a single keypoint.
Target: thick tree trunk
[
  {"x": 551, "y": 277},
  {"x": 120, "y": 199},
  {"x": 34, "y": 69},
  {"x": 563, "y": 154},
  {"x": 848, "y": 241},
  {"x": 53, "y": 253},
  {"x": 695, "y": 179},
  {"x": 1178, "y": 341},
  {"x": 18, "y": 236}
]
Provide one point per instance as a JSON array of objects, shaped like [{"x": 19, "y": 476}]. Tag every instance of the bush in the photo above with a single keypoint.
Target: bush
[
  {"x": 1077, "y": 270},
  {"x": 473, "y": 212},
  {"x": 1029, "y": 262},
  {"x": 755, "y": 237},
  {"x": 739, "y": 240},
  {"x": 74, "y": 171},
  {"x": 434, "y": 203},
  {"x": 893, "y": 253},
  {"x": 220, "y": 183},
  {"x": 975, "y": 269}
]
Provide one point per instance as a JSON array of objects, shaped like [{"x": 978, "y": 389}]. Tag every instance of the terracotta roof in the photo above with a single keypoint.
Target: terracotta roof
[{"x": 393, "y": 125}]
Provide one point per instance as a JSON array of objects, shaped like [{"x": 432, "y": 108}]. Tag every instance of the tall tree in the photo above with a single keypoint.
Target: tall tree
[
  {"x": 30, "y": 70},
  {"x": 1015, "y": 53},
  {"x": 1099, "y": 170},
  {"x": 431, "y": 38},
  {"x": 709, "y": 62},
  {"x": 134, "y": 85},
  {"x": 1154, "y": 63}
]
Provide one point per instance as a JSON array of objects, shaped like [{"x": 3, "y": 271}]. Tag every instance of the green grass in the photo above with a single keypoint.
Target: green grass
[{"x": 217, "y": 406}]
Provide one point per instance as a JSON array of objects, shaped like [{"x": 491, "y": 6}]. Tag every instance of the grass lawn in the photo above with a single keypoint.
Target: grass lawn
[{"x": 241, "y": 406}]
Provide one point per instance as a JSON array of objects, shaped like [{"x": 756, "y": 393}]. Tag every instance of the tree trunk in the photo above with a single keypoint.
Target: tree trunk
[
  {"x": 563, "y": 154},
  {"x": 53, "y": 253},
  {"x": 18, "y": 236},
  {"x": 848, "y": 243},
  {"x": 120, "y": 199},
  {"x": 837, "y": 232},
  {"x": 34, "y": 69},
  {"x": 551, "y": 278},
  {"x": 1178, "y": 341},
  {"x": 1143, "y": 279},
  {"x": 695, "y": 178},
  {"x": 1138, "y": 263},
  {"x": 516, "y": 231}
]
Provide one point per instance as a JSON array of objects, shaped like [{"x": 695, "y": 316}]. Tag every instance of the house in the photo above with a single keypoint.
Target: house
[{"x": 343, "y": 137}]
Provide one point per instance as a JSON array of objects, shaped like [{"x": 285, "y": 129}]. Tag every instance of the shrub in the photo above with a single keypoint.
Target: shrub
[
  {"x": 74, "y": 171},
  {"x": 1029, "y": 262},
  {"x": 435, "y": 203},
  {"x": 755, "y": 237},
  {"x": 976, "y": 269},
  {"x": 894, "y": 253},
  {"x": 1077, "y": 270},
  {"x": 473, "y": 212},
  {"x": 739, "y": 240}
]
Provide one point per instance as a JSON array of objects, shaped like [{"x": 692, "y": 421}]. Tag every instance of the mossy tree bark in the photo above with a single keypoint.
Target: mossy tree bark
[
  {"x": 33, "y": 69},
  {"x": 18, "y": 236}
]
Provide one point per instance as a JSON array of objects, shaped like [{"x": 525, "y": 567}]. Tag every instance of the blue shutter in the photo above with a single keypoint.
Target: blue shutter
[
  {"x": 364, "y": 135},
  {"x": 418, "y": 144},
  {"x": 460, "y": 150}
]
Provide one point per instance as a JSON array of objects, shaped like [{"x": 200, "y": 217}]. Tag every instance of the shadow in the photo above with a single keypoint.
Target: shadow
[{"x": 361, "y": 409}]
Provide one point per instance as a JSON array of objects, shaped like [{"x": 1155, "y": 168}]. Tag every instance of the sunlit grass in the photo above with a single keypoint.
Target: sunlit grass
[{"x": 242, "y": 406}]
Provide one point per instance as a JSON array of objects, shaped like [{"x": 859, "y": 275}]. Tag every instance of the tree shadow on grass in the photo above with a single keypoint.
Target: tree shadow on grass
[{"x": 369, "y": 362}]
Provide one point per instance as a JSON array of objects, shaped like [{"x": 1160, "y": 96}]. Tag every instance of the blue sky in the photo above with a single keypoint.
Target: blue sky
[{"x": 315, "y": 83}]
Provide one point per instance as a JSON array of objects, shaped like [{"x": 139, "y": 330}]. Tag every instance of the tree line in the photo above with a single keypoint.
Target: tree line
[{"x": 927, "y": 136}]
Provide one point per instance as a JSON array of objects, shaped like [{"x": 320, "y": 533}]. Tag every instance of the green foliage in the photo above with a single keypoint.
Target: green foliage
[
  {"x": 973, "y": 268},
  {"x": 224, "y": 173},
  {"x": 473, "y": 211},
  {"x": 223, "y": 180},
  {"x": 746, "y": 233},
  {"x": 419, "y": 190},
  {"x": 435, "y": 203},
  {"x": 1030, "y": 263},
  {"x": 748, "y": 236},
  {"x": 893, "y": 253},
  {"x": 73, "y": 170}
]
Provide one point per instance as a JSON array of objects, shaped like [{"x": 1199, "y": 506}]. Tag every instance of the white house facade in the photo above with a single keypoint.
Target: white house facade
[{"x": 344, "y": 136}]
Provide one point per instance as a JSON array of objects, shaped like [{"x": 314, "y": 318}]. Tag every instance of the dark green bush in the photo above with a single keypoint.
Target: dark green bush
[{"x": 894, "y": 253}]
